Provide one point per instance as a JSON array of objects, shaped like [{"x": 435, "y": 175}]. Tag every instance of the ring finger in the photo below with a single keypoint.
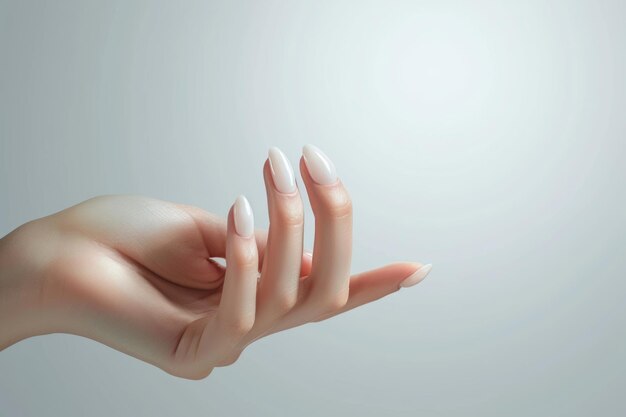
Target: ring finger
[{"x": 282, "y": 261}]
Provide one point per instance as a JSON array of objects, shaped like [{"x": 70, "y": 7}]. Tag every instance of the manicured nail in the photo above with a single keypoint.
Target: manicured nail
[
  {"x": 282, "y": 172},
  {"x": 416, "y": 276},
  {"x": 244, "y": 219},
  {"x": 320, "y": 166}
]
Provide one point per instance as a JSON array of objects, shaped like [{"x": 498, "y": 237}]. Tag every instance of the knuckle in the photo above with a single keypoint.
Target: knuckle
[
  {"x": 338, "y": 203},
  {"x": 245, "y": 256},
  {"x": 341, "y": 209},
  {"x": 290, "y": 213}
]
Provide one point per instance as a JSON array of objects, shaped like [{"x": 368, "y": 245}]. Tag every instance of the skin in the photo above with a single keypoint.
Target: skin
[{"x": 136, "y": 274}]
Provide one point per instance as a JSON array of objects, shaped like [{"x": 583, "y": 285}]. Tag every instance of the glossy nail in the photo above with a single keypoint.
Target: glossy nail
[
  {"x": 320, "y": 167},
  {"x": 244, "y": 219},
  {"x": 416, "y": 276},
  {"x": 282, "y": 172}
]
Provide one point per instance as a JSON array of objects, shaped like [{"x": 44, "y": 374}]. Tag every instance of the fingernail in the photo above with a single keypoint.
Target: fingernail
[
  {"x": 320, "y": 166},
  {"x": 282, "y": 172},
  {"x": 308, "y": 254},
  {"x": 416, "y": 276},
  {"x": 244, "y": 219}
]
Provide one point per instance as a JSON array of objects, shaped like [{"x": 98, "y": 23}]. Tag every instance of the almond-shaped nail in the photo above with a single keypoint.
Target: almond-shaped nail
[
  {"x": 320, "y": 167},
  {"x": 243, "y": 217},
  {"x": 416, "y": 276},
  {"x": 282, "y": 172}
]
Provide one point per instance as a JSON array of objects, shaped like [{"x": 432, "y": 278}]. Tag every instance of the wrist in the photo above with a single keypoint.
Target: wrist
[{"x": 23, "y": 303}]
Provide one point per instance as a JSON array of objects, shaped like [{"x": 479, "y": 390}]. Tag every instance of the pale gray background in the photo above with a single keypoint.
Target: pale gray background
[{"x": 485, "y": 137}]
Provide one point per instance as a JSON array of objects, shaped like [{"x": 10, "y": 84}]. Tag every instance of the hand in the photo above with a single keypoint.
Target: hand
[{"x": 140, "y": 275}]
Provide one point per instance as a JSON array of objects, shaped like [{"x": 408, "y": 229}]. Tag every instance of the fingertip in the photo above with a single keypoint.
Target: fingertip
[{"x": 416, "y": 276}]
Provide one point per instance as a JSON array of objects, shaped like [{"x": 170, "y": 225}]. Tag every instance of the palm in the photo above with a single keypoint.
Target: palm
[{"x": 145, "y": 264}]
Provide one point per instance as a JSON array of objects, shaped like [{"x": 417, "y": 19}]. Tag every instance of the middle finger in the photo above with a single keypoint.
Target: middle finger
[{"x": 280, "y": 272}]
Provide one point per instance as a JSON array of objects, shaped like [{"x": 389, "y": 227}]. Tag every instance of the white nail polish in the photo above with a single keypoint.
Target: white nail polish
[
  {"x": 282, "y": 172},
  {"x": 320, "y": 166},
  {"x": 244, "y": 219},
  {"x": 416, "y": 276}
]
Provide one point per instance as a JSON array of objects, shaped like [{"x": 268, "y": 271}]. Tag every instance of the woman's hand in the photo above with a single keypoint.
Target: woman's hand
[{"x": 137, "y": 274}]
